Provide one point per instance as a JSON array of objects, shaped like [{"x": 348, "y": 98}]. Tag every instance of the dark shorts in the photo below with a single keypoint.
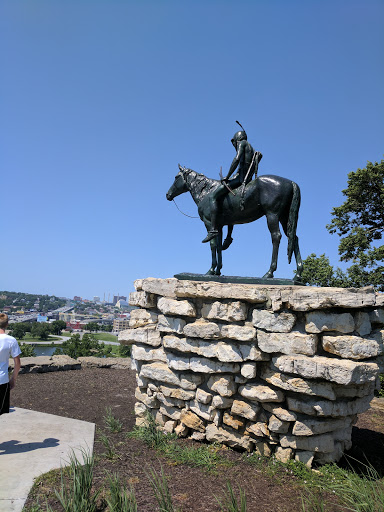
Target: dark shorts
[{"x": 4, "y": 398}]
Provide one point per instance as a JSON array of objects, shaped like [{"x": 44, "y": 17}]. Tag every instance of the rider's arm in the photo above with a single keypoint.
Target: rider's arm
[{"x": 236, "y": 160}]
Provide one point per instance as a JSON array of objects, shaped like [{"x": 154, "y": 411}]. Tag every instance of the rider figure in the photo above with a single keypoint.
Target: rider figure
[{"x": 242, "y": 160}]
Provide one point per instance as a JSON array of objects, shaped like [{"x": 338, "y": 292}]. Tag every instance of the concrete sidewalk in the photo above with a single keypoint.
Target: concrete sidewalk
[{"x": 32, "y": 443}]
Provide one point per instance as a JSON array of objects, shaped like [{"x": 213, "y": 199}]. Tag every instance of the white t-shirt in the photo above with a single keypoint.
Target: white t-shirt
[{"x": 8, "y": 348}]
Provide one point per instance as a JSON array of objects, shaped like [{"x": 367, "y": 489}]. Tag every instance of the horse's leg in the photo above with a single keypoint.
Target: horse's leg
[
  {"x": 296, "y": 251},
  {"x": 219, "y": 244},
  {"x": 299, "y": 261},
  {"x": 212, "y": 270},
  {"x": 229, "y": 239},
  {"x": 274, "y": 229}
]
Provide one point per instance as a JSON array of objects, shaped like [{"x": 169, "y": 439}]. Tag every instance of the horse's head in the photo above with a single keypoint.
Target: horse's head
[{"x": 179, "y": 186}]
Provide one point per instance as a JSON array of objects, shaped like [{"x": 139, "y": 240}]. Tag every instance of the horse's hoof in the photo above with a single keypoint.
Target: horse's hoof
[
  {"x": 268, "y": 275},
  {"x": 210, "y": 272},
  {"x": 218, "y": 273},
  {"x": 227, "y": 242},
  {"x": 297, "y": 279}
]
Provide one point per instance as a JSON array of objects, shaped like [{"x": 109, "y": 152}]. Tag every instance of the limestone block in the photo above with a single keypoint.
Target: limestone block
[
  {"x": 141, "y": 382},
  {"x": 203, "y": 365},
  {"x": 245, "y": 409},
  {"x": 212, "y": 290},
  {"x": 176, "y": 307},
  {"x": 234, "y": 311},
  {"x": 287, "y": 343},
  {"x": 314, "y": 407},
  {"x": 327, "y": 458},
  {"x": 203, "y": 397},
  {"x": 142, "y": 300},
  {"x": 169, "y": 401},
  {"x": 280, "y": 412},
  {"x": 248, "y": 370},
  {"x": 169, "y": 426},
  {"x": 171, "y": 412},
  {"x": 362, "y": 323},
  {"x": 149, "y": 401},
  {"x": 305, "y": 457},
  {"x": 202, "y": 410},
  {"x": 297, "y": 384},
  {"x": 165, "y": 287},
  {"x": 225, "y": 352},
  {"x": 313, "y": 426},
  {"x": 261, "y": 393},
  {"x": 217, "y": 417},
  {"x": 354, "y": 347},
  {"x": 178, "y": 362},
  {"x": 197, "y": 436},
  {"x": 277, "y": 425},
  {"x": 179, "y": 394},
  {"x": 191, "y": 420},
  {"x": 135, "y": 365},
  {"x": 181, "y": 430},
  {"x": 263, "y": 449},
  {"x": 224, "y": 385},
  {"x": 142, "y": 317},
  {"x": 228, "y": 352},
  {"x": 306, "y": 298},
  {"x": 273, "y": 322},
  {"x": 251, "y": 352},
  {"x": 159, "y": 372},
  {"x": 148, "y": 354},
  {"x": 228, "y": 437},
  {"x": 140, "y": 409},
  {"x": 151, "y": 387},
  {"x": 170, "y": 324},
  {"x": 148, "y": 335},
  {"x": 320, "y": 321},
  {"x": 322, "y": 443},
  {"x": 220, "y": 402},
  {"x": 202, "y": 329},
  {"x": 231, "y": 421},
  {"x": 238, "y": 332},
  {"x": 377, "y": 316},
  {"x": 190, "y": 381},
  {"x": 138, "y": 283},
  {"x": 354, "y": 391},
  {"x": 283, "y": 454},
  {"x": 141, "y": 422},
  {"x": 258, "y": 429},
  {"x": 340, "y": 371}
]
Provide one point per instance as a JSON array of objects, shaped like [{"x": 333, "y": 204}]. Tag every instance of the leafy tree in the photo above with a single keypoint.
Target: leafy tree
[
  {"x": 41, "y": 330},
  {"x": 124, "y": 350},
  {"x": 17, "y": 331},
  {"x": 27, "y": 350},
  {"x": 319, "y": 272},
  {"x": 92, "y": 327},
  {"x": 57, "y": 326},
  {"x": 87, "y": 346},
  {"x": 359, "y": 222}
]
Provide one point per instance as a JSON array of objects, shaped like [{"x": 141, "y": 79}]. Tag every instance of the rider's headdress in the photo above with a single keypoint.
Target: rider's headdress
[{"x": 241, "y": 135}]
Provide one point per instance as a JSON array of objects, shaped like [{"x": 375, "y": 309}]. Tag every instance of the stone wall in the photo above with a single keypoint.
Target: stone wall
[{"x": 276, "y": 369}]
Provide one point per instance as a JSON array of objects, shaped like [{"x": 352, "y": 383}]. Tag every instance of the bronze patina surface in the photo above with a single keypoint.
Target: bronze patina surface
[{"x": 188, "y": 276}]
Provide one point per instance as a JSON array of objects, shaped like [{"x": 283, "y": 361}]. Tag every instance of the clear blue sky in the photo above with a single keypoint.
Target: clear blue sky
[{"x": 100, "y": 100}]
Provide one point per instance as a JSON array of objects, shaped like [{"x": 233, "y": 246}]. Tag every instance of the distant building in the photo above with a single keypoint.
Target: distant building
[
  {"x": 116, "y": 298},
  {"x": 77, "y": 299},
  {"x": 120, "y": 324},
  {"x": 96, "y": 299},
  {"x": 122, "y": 304}
]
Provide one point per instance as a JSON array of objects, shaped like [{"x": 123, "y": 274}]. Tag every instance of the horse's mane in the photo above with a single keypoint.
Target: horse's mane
[{"x": 199, "y": 184}]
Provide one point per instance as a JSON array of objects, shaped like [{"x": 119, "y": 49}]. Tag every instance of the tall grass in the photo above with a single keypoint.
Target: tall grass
[
  {"x": 77, "y": 497},
  {"x": 112, "y": 423},
  {"x": 120, "y": 498},
  {"x": 161, "y": 490},
  {"x": 230, "y": 502}
]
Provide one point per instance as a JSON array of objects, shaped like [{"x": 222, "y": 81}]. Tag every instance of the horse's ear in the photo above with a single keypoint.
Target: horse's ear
[{"x": 181, "y": 167}]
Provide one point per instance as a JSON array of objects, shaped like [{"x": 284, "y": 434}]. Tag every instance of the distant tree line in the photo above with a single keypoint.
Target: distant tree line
[{"x": 38, "y": 330}]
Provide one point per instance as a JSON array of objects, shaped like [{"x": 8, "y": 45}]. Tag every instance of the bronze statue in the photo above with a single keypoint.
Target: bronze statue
[
  {"x": 275, "y": 197},
  {"x": 246, "y": 160}
]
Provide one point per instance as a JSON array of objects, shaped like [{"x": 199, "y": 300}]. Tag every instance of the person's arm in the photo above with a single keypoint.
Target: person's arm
[
  {"x": 12, "y": 380},
  {"x": 235, "y": 161}
]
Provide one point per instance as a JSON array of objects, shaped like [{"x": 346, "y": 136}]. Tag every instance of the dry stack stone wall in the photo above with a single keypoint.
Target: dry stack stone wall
[{"x": 276, "y": 369}]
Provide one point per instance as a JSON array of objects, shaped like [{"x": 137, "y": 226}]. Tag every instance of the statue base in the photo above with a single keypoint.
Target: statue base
[{"x": 237, "y": 279}]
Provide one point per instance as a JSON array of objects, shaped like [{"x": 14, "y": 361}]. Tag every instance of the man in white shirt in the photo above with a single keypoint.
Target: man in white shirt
[{"x": 8, "y": 348}]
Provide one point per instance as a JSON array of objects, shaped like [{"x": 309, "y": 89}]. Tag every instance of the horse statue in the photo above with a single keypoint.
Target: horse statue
[{"x": 275, "y": 197}]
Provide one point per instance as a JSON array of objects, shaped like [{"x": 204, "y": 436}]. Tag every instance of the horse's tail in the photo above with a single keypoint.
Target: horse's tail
[{"x": 293, "y": 218}]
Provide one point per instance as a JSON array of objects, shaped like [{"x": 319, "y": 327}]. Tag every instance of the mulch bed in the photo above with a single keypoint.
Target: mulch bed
[{"x": 85, "y": 394}]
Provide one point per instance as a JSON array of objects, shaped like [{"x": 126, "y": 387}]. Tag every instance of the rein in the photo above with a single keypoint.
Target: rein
[{"x": 190, "y": 216}]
